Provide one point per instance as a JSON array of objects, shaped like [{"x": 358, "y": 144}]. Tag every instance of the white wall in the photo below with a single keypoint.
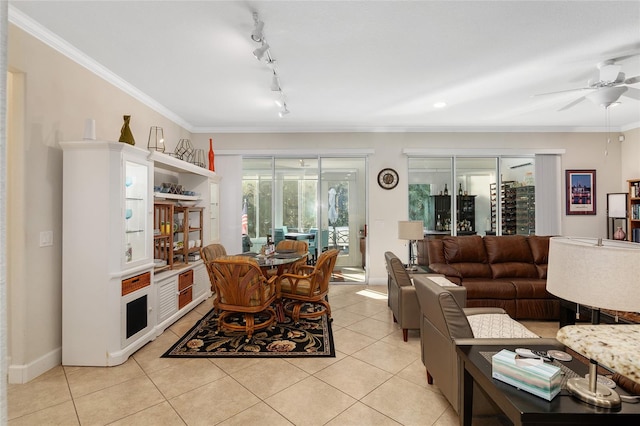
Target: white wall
[
  {"x": 59, "y": 95},
  {"x": 386, "y": 208}
]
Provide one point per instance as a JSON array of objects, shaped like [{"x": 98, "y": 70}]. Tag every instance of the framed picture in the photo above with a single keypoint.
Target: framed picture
[{"x": 581, "y": 192}]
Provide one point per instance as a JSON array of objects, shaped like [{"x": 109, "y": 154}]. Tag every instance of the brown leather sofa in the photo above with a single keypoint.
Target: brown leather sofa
[{"x": 508, "y": 272}]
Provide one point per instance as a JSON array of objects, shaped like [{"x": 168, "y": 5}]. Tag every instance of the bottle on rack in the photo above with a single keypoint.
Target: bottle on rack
[
  {"x": 438, "y": 224},
  {"x": 446, "y": 191},
  {"x": 460, "y": 190}
]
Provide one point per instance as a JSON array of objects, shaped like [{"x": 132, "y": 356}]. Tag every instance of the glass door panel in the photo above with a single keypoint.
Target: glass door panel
[
  {"x": 257, "y": 194},
  {"x": 518, "y": 205},
  {"x": 473, "y": 194},
  {"x": 430, "y": 193},
  {"x": 136, "y": 191},
  {"x": 343, "y": 214}
]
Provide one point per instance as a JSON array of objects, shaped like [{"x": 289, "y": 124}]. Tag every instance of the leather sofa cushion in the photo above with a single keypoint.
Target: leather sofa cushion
[
  {"x": 507, "y": 248},
  {"x": 542, "y": 271},
  {"x": 539, "y": 248},
  {"x": 472, "y": 270},
  {"x": 478, "y": 288},
  {"x": 435, "y": 250},
  {"x": 514, "y": 270},
  {"x": 531, "y": 289},
  {"x": 467, "y": 248}
]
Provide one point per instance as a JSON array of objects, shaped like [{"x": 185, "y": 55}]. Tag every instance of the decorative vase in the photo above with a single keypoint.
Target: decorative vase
[
  {"x": 125, "y": 133},
  {"x": 212, "y": 166},
  {"x": 619, "y": 234}
]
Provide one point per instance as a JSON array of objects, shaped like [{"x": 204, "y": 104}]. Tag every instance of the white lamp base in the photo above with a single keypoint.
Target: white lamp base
[{"x": 602, "y": 397}]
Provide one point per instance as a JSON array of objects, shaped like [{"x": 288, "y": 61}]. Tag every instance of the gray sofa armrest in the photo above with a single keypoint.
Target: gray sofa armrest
[
  {"x": 498, "y": 342},
  {"x": 409, "y": 308},
  {"x": 480, "y": 311}
]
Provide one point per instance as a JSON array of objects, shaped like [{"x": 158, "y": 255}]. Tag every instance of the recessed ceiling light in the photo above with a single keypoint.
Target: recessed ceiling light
[{"x": 440, "y": 105}]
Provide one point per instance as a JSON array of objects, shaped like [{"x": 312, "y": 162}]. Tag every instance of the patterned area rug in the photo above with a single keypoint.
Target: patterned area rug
[{"x": 309, "y": 338}]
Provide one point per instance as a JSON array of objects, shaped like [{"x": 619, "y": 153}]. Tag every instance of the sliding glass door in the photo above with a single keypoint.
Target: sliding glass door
[{"x": 321, "y": 195}]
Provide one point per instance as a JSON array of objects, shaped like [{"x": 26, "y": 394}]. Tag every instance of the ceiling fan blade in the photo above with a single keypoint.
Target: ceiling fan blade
[
  {"x": 564, "y": 91},
  {"x": 632, "y": 93},
  {"x": 632, "y": 80},
  {"x": 572, "y": 104}
]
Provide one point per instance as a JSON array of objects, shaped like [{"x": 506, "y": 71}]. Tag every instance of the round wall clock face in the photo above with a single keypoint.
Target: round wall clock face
[{"x": 388, "y": 178}]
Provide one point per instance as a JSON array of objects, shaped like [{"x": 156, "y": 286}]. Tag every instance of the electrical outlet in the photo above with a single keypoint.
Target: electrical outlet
[{"x": 46, "y": 238}]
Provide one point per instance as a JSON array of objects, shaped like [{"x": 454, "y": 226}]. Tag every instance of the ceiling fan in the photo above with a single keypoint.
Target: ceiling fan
[{"x": 607, "y": 88}]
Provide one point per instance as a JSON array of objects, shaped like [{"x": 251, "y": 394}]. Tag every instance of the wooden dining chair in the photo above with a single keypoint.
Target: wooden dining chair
[
  {"x": 309, "y": 287},
  {"x": 244, "y": 290},
  {"x": 291, "y": 246},
  {"x": 208, "y": 254}
]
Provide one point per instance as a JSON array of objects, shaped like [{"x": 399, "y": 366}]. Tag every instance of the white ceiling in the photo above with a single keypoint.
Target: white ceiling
[{"x": 355, "y": 65}]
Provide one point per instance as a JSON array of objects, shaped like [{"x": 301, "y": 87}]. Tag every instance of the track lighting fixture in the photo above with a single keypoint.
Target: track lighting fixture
[
  {"x": 260, "y": 51},
  {"x": 257, "y": 35},
  {"x": 275, "y": 83},
  {"x": 263, "y": 51},
  {"x": 284, "y": 111}
]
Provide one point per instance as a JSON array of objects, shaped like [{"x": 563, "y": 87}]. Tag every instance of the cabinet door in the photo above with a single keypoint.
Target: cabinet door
[
  {"x": 136, "y": 212},
  {"x": 167, "y": 298}
]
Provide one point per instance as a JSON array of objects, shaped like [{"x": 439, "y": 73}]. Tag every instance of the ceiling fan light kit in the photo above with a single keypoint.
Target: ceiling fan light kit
[
  {"x": 263, "y": 51},
  {"x": 608, "y": 87}
]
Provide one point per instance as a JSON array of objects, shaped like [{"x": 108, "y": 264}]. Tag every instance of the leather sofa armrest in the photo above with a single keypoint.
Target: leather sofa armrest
[
  {"x": 480, "y": 311},
  {"x": 444, "y": 269},
  {"x": 523, "y": 342}
]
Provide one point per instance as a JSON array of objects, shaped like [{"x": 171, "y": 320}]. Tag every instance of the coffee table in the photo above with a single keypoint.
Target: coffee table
[{"x": 523, "y": 408}]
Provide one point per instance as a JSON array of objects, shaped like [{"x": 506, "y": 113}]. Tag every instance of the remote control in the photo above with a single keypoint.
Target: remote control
[{"x": 528, "y": 353}]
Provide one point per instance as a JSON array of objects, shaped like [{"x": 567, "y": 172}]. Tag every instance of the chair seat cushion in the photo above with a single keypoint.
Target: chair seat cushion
[
  {"x": 498, "y": 326},
  {"x": 303, "y": 287}
]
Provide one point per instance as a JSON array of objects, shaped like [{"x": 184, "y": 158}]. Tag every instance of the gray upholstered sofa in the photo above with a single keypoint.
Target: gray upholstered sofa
[{"x": 444, "y": 324}]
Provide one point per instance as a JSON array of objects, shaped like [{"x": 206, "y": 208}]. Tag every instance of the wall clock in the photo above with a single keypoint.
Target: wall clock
[{"x": 388, "y": 178}]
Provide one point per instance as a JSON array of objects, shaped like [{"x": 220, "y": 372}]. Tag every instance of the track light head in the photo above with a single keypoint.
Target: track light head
[
  {"x": 260, "y": 51},
  {"x": 284, "y": 111},
  {"x": 275, "y": 83},
  {"x": 257, "y": 34}
]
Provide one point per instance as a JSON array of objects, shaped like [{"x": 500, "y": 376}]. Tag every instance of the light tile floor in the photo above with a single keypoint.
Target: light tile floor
[{"x": 375, "y": 379}]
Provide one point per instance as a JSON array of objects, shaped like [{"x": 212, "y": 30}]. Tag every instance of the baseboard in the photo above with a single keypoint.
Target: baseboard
[
  {"x": 20, "y": 374},
  {"x": 378, "y": 281}
]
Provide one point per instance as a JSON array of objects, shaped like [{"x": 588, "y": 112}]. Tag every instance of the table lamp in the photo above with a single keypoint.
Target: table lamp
[
  {"x": 602, "y": 275},
  {"x": 411, "y": 230}
]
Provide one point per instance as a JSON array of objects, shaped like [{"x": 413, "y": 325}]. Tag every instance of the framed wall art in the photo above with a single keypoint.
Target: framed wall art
[{"x": 581, "y": 192}]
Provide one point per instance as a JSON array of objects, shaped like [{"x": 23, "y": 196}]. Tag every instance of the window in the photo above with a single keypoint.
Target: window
[{"x": 463, "y": 195}]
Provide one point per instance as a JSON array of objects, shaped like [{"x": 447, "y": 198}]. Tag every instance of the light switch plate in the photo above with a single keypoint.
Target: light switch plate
[{"x": 46, "y": 238}]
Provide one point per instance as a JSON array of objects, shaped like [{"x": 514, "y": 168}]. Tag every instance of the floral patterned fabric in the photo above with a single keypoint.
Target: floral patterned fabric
[{"x": 309, "y": 338}]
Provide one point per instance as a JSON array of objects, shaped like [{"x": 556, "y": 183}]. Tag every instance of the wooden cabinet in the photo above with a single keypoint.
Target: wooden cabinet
[
  {"x": 185, "y": 288},
  {"x": 439, "y": 213},
  {"x": 633, "y": 210},
  {"x": 107, "y": 255},
  {"x": 114, "y": 298},
  {"x": 178, "y": 291}
]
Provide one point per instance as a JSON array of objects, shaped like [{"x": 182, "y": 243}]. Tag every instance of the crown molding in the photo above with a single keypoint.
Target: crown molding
[{"x": 36, "y": 30}]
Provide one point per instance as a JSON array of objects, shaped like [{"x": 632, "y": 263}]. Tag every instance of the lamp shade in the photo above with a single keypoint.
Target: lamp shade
[
  {"x": 601, "y": 276},
  {"x": 410, "y": 230}
]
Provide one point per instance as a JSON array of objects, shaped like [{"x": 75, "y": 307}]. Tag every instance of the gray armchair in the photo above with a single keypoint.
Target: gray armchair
[
  {"x": 444, "y": 324},
  {"x": 402, "y": 295}
]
